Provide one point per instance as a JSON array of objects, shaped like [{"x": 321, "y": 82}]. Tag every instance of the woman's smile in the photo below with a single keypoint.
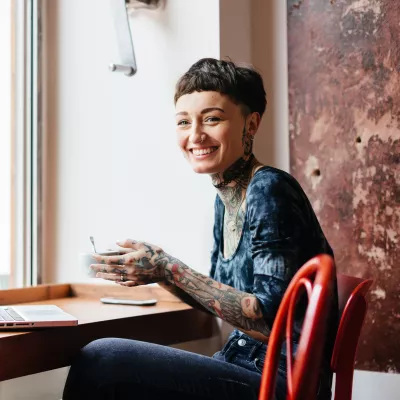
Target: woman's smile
[{"x": 203, "y": 152}]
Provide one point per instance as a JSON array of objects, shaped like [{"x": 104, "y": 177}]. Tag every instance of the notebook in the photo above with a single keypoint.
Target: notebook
[{"x": 34, "y": 316}]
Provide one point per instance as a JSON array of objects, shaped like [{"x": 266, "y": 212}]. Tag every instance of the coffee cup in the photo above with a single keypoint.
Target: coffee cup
[{"x": 86, "y": 260}]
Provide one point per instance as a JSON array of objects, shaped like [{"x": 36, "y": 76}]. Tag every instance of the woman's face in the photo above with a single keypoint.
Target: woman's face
[{"x": 219, "y": 121}]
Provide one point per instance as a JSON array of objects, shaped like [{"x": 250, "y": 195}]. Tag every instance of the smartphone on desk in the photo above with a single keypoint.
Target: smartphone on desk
[{"x": 128, "y": 302}]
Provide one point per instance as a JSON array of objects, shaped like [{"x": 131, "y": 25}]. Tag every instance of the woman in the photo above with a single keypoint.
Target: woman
[{"x": 264, "y": 230}]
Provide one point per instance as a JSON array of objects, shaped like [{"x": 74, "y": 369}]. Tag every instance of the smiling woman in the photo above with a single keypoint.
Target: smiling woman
[
  {"x": 223, "y": 113},
  {"x": 264, "y": 231}
]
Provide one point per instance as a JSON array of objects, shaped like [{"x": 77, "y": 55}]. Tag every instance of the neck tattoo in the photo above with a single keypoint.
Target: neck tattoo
[{"x": 239, "y": 172}]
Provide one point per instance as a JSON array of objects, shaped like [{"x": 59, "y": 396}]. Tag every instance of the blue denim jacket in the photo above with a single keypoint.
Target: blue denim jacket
[{"x": 280, "y": 233}]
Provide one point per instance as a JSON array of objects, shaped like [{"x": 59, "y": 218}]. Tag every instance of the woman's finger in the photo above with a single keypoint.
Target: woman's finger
[
  {"x": 109, "y": 277},
  {"x": 119, "y": 260},
  {"x": 129, "y": 243},
  {"x": 124, "y": 250},
  {"x": 110, "y": 269},
  {"x": 127, "y": 283}
]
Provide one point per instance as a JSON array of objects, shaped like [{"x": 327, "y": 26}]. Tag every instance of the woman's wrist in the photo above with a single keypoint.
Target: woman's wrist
[{"x": 167, "y": 264}]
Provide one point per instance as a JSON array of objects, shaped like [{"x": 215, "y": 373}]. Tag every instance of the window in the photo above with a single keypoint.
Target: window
[
  {"x": 5, "y": 141},
  {"x": 19, "y": 143}
]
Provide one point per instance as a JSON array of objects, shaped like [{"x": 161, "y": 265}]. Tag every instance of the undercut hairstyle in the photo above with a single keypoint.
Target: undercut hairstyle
[{"x": 243, "y": 84}]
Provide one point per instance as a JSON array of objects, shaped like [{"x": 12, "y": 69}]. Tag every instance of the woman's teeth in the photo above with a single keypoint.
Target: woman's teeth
[{"x": 201, "y": 152}]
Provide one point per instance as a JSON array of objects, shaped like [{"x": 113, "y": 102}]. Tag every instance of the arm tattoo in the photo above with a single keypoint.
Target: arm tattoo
[{"x": 238, "y": 308}]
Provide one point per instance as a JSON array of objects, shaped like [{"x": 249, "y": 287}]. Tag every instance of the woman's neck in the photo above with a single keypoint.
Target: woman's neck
[{"x": 231, "y": 184}]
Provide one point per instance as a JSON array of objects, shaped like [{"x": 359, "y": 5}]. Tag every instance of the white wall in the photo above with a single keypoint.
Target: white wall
[
  {"x": 256, "y": 32},
  {"x": 235, "y": 30},
  {"x": 375, "y": 385},
  {"x": 269, "y": 55},
  {"x": 116, "y": 169}
]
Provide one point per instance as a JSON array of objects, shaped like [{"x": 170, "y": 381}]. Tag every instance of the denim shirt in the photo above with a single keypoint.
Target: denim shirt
[{"x": 280, "y": 233}]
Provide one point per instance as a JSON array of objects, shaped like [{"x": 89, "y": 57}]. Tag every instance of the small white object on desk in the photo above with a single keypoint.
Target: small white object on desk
[{"x": 128, "y": 302}]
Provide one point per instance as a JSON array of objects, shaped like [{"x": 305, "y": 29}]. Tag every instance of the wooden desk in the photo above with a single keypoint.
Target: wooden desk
[{"x": 29, "y": 352}]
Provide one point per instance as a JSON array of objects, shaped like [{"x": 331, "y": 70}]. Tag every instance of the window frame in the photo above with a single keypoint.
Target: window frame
[{"x": 27, "y": 144}]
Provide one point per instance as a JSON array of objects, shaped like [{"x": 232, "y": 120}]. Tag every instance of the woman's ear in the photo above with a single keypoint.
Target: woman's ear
[
  {"x": 249, "y": 132},
  {"x": 253, "y": 123}
]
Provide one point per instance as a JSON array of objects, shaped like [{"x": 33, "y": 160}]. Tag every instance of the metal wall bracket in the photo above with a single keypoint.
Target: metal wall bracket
[
  {"x": 147, "y": 4},
  {"x": 121, "y": 21}
]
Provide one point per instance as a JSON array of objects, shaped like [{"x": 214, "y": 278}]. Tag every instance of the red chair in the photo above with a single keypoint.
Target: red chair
[
  {"x": 352, "y": 310},
  {"x": 303, "y": 374}
]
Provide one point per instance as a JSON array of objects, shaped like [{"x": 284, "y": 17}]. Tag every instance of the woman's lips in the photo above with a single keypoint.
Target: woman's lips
[{"x": 203, "y": 152}]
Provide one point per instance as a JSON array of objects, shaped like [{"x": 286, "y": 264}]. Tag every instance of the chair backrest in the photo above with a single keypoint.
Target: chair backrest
[
  {"x": 352, "y": 310},
  {"x": 316, "y": 277}
]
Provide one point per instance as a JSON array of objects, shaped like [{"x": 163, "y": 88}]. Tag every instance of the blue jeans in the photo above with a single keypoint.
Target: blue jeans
[{"x": 121, "y": 369}]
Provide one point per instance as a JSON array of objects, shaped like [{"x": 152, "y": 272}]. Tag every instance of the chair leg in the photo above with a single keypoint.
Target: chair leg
[{"x": 344, "y": 384}]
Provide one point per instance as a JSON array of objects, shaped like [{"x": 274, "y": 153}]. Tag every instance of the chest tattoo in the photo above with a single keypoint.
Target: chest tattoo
[{"x": 233, "y": 221}]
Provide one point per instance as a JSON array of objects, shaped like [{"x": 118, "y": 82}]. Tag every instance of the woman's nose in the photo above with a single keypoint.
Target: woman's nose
[{"x": 195, "y": 134}]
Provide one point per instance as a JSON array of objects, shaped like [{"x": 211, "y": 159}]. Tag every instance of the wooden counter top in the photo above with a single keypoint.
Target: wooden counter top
[{"x": 170, "y": 321}]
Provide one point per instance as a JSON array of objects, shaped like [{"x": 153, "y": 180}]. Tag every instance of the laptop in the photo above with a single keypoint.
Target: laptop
[{"x": 34, "y": 316}]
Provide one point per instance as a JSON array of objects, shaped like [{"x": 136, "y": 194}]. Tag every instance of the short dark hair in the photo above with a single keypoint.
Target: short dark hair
[{"x": 243, "y": 84}]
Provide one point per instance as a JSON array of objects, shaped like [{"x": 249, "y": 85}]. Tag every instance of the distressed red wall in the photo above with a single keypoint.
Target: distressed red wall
[{"x": 344, "y": 96}]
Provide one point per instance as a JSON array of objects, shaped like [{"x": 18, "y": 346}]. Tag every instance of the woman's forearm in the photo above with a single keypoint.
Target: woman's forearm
[
  {"x": 238, "y": 308},
  {"x": 181, "y": 294}
]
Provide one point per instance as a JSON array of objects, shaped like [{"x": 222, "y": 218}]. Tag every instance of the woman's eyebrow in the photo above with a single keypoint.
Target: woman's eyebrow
[
  {"x": 205, "y": 111},
  {"x": 181, "y": 113}
]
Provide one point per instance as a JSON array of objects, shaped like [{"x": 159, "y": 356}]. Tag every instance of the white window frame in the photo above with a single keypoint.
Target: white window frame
[{"x": 27, "y": 143}]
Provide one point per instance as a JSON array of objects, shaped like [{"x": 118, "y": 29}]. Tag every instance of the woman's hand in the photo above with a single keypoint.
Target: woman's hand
[{"x": 139, "y": 264}]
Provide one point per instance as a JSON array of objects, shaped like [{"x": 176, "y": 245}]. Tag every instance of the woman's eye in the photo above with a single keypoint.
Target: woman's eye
[
  {"x": 213, "y": 119},
  {"x": 183, "y": 122}
]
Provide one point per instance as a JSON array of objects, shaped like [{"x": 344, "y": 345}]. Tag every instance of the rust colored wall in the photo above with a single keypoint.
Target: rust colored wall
[{"x": 344, "y": 100}]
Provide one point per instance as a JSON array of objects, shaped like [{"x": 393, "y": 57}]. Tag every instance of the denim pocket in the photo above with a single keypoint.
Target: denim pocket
[
  {"x": 220, "y": 355},
  {"x": 258, "y": 365},
  {"x": 259, "y": 362}
]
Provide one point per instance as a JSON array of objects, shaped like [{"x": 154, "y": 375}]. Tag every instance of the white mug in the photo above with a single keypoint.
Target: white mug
[{"x": 86, "y": 260}]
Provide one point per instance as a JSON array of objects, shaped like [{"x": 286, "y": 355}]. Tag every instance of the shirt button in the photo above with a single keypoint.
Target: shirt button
[{"x": 241, "y": 342}]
